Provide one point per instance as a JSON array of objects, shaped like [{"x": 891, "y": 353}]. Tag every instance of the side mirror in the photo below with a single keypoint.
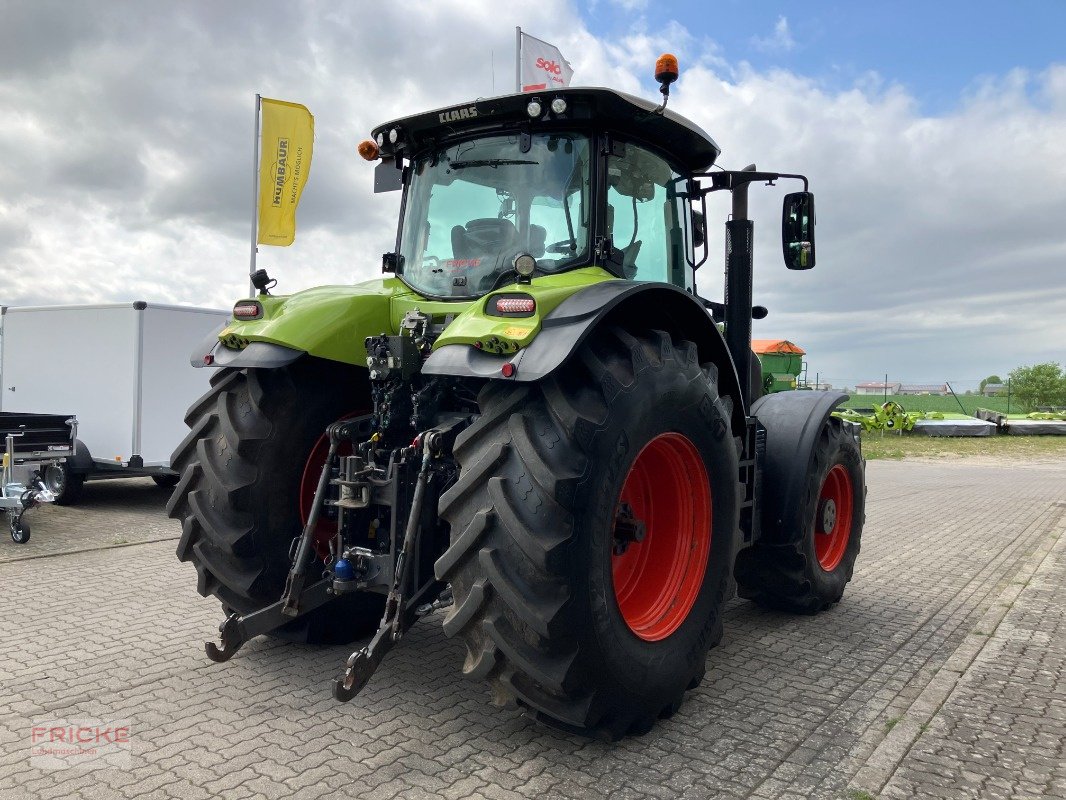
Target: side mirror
[
  {"x": 797, "y": 230},
  {"x": 699, "y": 229}
]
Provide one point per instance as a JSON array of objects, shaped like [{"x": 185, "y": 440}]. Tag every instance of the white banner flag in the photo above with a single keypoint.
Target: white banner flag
[{"x": 543, "y": 66}]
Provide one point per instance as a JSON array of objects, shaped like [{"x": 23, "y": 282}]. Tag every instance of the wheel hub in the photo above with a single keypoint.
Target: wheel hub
[
  {"x": 627, "y": 528},
  {"x": 828, "y": 517},
  {"x": 661, "y": 539},
  {"x": 833, "y": 519},
  {"x": 54, "y": 479}
]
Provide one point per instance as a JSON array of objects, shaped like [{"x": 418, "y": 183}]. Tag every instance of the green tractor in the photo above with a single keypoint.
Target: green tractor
[{"x": 532, "y": 420}]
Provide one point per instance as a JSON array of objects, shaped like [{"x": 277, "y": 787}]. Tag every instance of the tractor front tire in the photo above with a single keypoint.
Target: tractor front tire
[
  {"x": 238, "y": 498},
  {"x": 808, "y": 573},
  {"x": 593, "y": 640}
]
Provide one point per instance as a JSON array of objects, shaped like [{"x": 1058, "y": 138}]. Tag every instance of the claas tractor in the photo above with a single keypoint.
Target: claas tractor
[{"x": 532, "y": 420}]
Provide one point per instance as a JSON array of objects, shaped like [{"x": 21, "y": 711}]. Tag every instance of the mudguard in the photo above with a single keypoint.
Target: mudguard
[
  {"x": 256, "y": 354},
  {"x": 82, "y": 460},
  {"x": 328, "y": 322},
  {"x": 210, "y": 352},
  {"x": 206, "y": 347},
  {"x": 793, "y": 422},
  {"x": 651, "y": 305}
]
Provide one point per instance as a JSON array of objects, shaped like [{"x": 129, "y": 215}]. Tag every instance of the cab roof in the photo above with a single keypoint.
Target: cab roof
[{"x": 604, "y": 109}]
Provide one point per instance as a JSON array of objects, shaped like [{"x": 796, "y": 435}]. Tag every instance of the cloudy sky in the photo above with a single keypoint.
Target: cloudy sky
[{"x": 934, "y": 135}]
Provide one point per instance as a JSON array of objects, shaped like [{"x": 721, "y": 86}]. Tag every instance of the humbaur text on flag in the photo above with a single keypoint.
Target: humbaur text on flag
[
  {"x": 284, "y": 163},
  {"x": 542, "y": 65}
]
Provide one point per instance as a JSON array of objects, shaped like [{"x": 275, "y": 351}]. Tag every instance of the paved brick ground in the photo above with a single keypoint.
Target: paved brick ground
[
  {"x": 940, "y": 674},
  {"x": 998, "y": 731}
]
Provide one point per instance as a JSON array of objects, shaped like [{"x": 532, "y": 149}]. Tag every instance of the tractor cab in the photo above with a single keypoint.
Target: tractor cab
[{"x": 573, "y": 178}]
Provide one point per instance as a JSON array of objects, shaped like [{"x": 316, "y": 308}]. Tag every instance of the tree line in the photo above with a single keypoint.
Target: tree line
[{"x": 1039, "y": 385}]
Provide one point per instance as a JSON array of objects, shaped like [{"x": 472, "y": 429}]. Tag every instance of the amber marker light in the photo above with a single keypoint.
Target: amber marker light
[
  {"x": 666, "y": 69},
  {"x": 368, "y": 149}
]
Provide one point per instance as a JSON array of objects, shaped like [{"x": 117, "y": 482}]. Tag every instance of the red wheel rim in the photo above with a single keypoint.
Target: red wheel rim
[
  {"x": 832, "y": 524},
  {"x": 657, "y": 580},
  {"x": 326, "y": 528}
]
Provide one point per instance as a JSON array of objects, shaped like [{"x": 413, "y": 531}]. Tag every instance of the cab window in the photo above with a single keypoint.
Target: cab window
[{"x": 646, "y": 215}]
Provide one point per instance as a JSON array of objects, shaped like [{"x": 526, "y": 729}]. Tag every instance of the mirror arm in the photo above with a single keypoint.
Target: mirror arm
[
  {"x": 695, "y": 265},
  {"x": 731, "y": 179}
]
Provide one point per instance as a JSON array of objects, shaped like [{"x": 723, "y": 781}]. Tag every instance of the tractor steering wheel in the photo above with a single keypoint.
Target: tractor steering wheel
[{"x": 562, "y": 247}]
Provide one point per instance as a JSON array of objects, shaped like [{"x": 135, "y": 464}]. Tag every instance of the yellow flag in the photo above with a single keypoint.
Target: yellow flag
[{"x": 284, "y": 162}]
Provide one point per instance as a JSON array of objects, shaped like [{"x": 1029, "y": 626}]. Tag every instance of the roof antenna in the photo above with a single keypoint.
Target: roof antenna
[{"x": 666, "y": 72}]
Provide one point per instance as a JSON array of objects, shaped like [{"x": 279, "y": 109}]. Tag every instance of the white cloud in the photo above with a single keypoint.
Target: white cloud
[
  {"x": 630, "y": 6},
  {"x": 126, "y": 174},
  {"x": 941, "y": 231},
  {"x": 779, "y": 41}
]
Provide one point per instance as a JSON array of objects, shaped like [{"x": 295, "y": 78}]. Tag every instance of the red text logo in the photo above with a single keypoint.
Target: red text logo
[{"x": 549, "y": 66}]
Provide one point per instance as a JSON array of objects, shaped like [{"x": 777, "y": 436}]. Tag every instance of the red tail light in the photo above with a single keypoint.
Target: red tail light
[
  {"x": 512, "y": 305},
  {"x": 247, "y": 309}
]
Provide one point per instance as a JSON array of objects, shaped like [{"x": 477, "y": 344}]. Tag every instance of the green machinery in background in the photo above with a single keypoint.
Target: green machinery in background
[{"x": 782, "y": 363}]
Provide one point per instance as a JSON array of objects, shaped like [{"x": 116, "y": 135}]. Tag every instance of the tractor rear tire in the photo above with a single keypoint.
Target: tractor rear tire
[
  {"x": 539, "y": 588},
  {"x": 809, "y": 573},
  {"x": 238, "y": 497}
]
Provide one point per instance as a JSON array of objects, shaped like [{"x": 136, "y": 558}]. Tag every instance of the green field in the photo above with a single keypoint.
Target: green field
[
  {"x": 894, "y": 447},
  {"x": 932, "y": 402}
]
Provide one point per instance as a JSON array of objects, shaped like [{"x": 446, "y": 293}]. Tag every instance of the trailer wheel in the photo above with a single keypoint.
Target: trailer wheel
[
  {"x": 166, "y": 481},
  {"x": 593, "y": 534},
  {"x": 808, "y": 574},
  {"x": 64, "y": 483},
  {"x": 20, "y": 529},
  {"x": 238, "y": 494}
]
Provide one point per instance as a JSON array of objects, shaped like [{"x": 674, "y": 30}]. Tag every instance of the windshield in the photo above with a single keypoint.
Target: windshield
[{"x": 473, "y": 206}]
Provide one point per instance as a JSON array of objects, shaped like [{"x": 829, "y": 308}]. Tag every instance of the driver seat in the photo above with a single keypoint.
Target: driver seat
[{"x": 483, "y": 237}]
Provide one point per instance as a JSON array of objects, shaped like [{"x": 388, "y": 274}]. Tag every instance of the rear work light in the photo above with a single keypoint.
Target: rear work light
[
  {"x": 247, "y": 309},
  {"x": 511, "y": 305}
]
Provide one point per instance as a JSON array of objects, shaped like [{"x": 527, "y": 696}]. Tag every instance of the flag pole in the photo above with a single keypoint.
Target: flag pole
[
  {"x": 517, "y": 59},
  {"x": 255, "y": 196}
]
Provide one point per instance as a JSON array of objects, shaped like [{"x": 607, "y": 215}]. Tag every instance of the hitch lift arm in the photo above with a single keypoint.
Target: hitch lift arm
[
  {"x": 237, "y": 629},
  {"x": 364, "y": 662}
]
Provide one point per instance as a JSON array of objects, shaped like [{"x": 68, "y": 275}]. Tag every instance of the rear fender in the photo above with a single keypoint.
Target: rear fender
[
  {"x": 82, "y": 460},
  {"x": 264, "y": 355},
  {"x": 327, "y": 322},
  {"x": 793, "y": 422},
  {"x": 648, "y": 305}
]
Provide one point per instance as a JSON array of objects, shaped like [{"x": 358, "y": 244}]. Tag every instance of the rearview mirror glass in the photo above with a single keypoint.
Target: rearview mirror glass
[
  {"x": 797, "y": 230},
  {"x": 699, "y": 229}
]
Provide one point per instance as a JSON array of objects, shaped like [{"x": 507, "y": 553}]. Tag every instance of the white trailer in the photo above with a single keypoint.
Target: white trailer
[{"x": 122, "y": 369}]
